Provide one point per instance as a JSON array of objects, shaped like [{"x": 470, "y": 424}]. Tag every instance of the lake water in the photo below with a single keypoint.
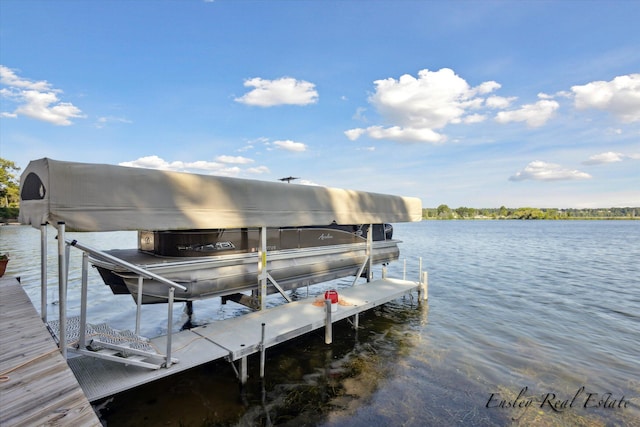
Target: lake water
[{"x": 527, "y": 323}]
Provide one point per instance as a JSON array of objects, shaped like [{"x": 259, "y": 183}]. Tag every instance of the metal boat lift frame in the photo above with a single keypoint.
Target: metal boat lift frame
[
  {"x": 82, "y": 346},
  {"x": 206, "y": 344}
]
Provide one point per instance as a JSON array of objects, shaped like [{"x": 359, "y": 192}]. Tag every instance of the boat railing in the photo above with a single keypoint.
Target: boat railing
[{"x": 63, "y": 257}]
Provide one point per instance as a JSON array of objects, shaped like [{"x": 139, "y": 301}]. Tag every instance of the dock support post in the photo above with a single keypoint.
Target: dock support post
[
  {"x": 424, "y": 286},
  {"x": 370, "y": 253},
  {"x": 262, "y": 354},
  {"x": 356, "y": 321},
  {"x": 328, "y": 325},
  {"x": 43, "y": 272},
  {"x": 169, "y": 327},
  {"x": 139, "y": 304},
  {"x": 262, "y": 267},
  {"x": 384, "y": 271},
  {"x": 82, "y": 341},
  {"x": 62, "y": 289},
  {"x": 243, "y": 368}
]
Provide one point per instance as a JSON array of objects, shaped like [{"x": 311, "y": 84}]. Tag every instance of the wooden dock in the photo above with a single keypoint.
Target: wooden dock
[{"x": 36, "y": 385}]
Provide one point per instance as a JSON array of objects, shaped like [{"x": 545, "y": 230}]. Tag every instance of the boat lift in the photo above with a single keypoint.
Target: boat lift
[
  {"x": 96, "y": 197},
  {"x": 132, "y": 349}
]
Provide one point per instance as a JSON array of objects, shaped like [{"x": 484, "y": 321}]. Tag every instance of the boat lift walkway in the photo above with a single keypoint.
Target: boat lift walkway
[{"x": 236, "y": 338}]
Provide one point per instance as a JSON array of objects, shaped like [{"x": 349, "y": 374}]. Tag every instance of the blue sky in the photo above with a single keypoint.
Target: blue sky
[{"x": 466, "y": 103}]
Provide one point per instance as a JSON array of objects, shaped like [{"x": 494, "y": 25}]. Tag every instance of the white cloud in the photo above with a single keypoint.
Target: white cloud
[
  {"x": 543, "y": 171},
  {"x": 286, "y": 90},
  {"x": 397, "y": 133},
  {"x": 499, "y": 102},
  {"x": 234, "y": 159},
  {"x": 155, "y": 162},
  {"x": 354, "y": 134},
  {"x": 609, "y": 157},
  {"x": 104, "y": 121},
  {"x": 487, "y": 87},
  {"x": 37, "y": 100},
  {"x": 417, "y": 107},
  {"x": 535, "y": 115},
  {"x": 474, "y": 118},
  {"x": 359, "y": 115},
  {"x": 259, "y": 170},
  {"x": 620, "y": 97},
  {"x": 200, "y": 166},
  {"x": 291, "y": 145}
]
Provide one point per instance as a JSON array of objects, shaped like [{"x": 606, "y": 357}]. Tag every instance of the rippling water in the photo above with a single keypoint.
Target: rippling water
[{"x": 526, "y": 321}]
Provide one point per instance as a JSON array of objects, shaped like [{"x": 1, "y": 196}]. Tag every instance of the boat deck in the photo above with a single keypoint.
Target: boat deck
[
  {"x": 234, "y": 338},
  {"x": 36, "y": 385}
]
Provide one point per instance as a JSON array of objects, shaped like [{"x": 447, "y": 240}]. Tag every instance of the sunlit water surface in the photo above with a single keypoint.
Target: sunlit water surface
[{"x": 527, "y": 323}]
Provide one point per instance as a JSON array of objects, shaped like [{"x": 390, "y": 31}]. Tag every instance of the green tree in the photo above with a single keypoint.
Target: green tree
[
  {"x": 528, "y": 213},
  {"x": 9, "y": 184},
  {"x": 444, "y": 211}
]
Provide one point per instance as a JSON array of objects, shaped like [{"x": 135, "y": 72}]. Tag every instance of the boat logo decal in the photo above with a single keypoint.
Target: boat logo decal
[{"x": 325, "y": 236}]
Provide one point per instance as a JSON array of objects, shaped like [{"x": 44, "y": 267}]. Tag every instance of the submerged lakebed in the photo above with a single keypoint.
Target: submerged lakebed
[{"x": 527, "y": 323}]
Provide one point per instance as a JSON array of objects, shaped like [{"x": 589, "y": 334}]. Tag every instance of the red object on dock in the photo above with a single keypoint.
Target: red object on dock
[{"x": 331, "y": 295}]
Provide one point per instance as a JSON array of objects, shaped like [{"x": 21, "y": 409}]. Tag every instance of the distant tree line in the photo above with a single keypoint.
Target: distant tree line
[{"x": 445, "y": 212}]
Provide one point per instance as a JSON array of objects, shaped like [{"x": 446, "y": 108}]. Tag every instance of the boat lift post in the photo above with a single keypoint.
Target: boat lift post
[
  {"x": 262, "y": 267},
  {"x": 424, "y": 286},
  {"x": 262, "y": 352},
  {"x": 370, "y": 253},
  {"x": 84, "y": 290},
  {"x": 43, "y": 272},
  {"x": 62, "y": 289},
  {"x": 328, "y": 325},
  {"x": 368, "y": 262}
]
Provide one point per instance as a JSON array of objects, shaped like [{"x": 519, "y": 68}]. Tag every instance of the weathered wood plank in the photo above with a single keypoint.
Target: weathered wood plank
[{"x": 38, "y": 387}]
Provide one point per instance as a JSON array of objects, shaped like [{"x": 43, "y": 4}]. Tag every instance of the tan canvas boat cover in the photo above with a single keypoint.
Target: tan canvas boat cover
[{"x": 96, "y": 197}]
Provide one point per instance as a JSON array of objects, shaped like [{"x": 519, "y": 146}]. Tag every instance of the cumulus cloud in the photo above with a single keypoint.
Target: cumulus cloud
[
  {"x": 234, "y": 159},
  {"x": 499, "y": 102},
  {"x": 609, "y": 157},
  {"x": 290, "y": 145},
  {"x": 418, "y": 107},
  {"x": 155, "y": 162},
  {"x": 37, "y": 100},
  {"x": 543, "y": 171},
  {"x": 259, "y": 170},
  {"x": 283, "y": 91},
  {"x": 535, "y": 115},
  {"x": 474, "y": 118},
  {"x": 620, "y": 97},
  {"x": 220, "y": 167}
]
